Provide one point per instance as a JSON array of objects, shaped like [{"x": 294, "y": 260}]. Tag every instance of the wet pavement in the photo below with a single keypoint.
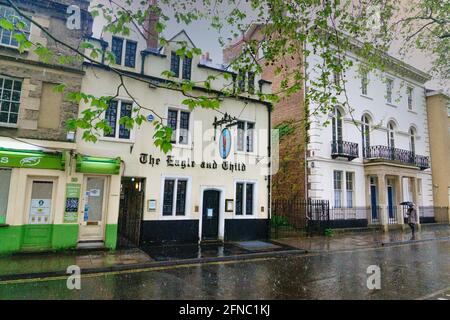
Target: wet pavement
[
  {"x": 408, "y": 271},
  {"x": 366, "y": 239},
  {"x": 55, "y": 263}
]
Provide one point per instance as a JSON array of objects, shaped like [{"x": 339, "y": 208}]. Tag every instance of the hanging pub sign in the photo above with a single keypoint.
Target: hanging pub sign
[{"x": 225, "y": 143}]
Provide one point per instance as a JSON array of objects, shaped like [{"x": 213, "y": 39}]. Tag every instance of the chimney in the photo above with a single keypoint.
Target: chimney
[{"x": 151, "y": 34}]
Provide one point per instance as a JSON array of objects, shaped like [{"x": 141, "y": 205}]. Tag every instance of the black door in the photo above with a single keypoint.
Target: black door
[
  {"x": 211, "y": 206},
  {"x": 130, "y": 211}
]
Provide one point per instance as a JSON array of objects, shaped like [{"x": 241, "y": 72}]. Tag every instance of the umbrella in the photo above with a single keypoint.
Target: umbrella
[{"x": 406, "y": 203}]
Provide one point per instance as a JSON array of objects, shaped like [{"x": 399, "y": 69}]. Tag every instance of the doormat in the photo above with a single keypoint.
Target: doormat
[{"x": 257, "y": 245}]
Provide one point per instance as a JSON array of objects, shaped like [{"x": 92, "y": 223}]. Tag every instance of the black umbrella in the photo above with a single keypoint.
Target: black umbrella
[{"x": 406, "y": 203}]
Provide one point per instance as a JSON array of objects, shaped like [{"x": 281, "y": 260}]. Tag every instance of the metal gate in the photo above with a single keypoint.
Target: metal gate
[
  {"x": 299, "y": 216},
  {"x": 131, "y": 210}
]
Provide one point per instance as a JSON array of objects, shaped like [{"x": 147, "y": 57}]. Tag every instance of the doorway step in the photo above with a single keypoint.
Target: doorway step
[{"x": 90, "y": 245}]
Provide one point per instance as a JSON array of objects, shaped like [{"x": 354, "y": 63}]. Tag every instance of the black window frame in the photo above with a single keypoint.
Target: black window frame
[
  {"x": 175, "y": 195},
  {"x": 187, "y": 68},
  {"x": 175, "y": 64},
  {"x": 179, "y": 121},
  {"x": 241, "y": 198},
  {"x": 130, "y": 57},
  {"x": 119, "y": 131},
  {"x": 117, "y": 54}
]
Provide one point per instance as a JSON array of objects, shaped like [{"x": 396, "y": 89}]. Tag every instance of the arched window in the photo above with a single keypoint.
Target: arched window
[
  {"x": 412, "y": 140},
  {"x": 391, "y": 135},
  {"x": 337, "y": 125},
  {"x": 365, "y": 132}
]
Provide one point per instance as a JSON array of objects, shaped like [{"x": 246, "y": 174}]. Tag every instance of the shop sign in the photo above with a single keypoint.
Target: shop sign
[
  {"x": 37, "y": 160},
  {"x": 171, "y": 161},
  {"x": 73, "y": 191}
]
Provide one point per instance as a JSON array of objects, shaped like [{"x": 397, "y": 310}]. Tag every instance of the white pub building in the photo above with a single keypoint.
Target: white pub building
[
  {"x": 213, "y": 185},
  {"x": 369, "y": 160}
]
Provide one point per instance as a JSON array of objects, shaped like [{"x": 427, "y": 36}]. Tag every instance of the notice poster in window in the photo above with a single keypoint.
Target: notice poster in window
[
  {"x": 40, "y": 210},
  {"x": 73, "y": 191}
]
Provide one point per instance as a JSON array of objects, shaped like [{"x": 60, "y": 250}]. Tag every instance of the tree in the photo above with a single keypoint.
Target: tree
[{"x": 331, "y": 28}]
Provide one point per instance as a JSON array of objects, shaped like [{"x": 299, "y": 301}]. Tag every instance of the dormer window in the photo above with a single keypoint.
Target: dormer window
[
  {"x": 244, "y": 82},
  {"x": 117, "y": 48},
  {"x": 175, "y": 61}
]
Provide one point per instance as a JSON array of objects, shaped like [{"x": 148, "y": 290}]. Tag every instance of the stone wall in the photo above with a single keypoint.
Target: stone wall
[{"x": 50, "y": 15}]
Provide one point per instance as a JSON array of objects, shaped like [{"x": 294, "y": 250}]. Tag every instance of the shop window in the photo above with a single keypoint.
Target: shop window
[
  {"x": 116, "y": 111},
  {"x": 337, "y": 189},
  {"x": 8, "y": 38},
  {"x": 10, "y": 89},
  {"x": 245, "y": 195},
  {"x": 245, "y": 136},
  {"x": 175, "y": 193},
  {"x": 179, "y": 122},
  {"x": 5, "y": 179}
]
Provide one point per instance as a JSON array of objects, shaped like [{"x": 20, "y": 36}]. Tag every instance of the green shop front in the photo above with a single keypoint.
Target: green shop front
[{"x": 43, "y": 199}]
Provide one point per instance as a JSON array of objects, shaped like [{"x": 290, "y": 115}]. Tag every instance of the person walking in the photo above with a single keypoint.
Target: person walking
[{"x": 412, "y": 217}]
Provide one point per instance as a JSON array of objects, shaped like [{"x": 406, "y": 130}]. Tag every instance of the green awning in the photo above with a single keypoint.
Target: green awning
[
  {"x": 33, "y": 159},
  {"x": 87, "y": 164}
]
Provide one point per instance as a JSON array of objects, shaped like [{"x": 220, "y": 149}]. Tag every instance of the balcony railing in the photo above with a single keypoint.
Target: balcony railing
[
  {"x": 344, "y": 149},
  {"x": 398, "y": 155}
]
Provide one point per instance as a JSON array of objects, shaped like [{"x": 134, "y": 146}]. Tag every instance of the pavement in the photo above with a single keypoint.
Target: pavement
[
  {"x": 367, "y": 239},
  {"x": 41, "y": 265}
]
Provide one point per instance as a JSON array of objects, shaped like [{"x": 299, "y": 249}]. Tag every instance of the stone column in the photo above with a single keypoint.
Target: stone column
[
  {"x": 382, "y": 201},
  {"x": 398, "y": 199},
  {"x": 415, "y": 199}
]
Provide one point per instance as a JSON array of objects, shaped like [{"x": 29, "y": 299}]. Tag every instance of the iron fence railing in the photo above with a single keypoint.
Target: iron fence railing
[
  {"x": 344, "y": 149},
  {"x": 395, "y": 154}
]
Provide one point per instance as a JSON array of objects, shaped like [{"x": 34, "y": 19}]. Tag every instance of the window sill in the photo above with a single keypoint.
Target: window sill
[
  {"x": 365, "y": 96},
  {"x": 244, "y": 216},
  {"x": 413, "y": 112},
  {"x": 183, "y": 146},
  {"x": 244, "y": 153},
  {"x": 125, "y": 141},
  {"x": 8, "y": 125},
  {"x": 391, "y": 105},
  {"x": 14, "y": 48}
]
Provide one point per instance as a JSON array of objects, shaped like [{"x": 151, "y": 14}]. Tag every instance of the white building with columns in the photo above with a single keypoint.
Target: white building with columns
[{"x": 370, "y": 159}]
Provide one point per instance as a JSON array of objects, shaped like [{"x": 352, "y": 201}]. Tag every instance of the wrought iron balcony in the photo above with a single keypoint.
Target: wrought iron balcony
[
  {"x": 397, "y": 155},
  {"x": 344, "y": 149}
]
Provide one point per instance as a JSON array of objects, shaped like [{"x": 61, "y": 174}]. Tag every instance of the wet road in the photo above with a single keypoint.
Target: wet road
[{"x": 410, "y": 271}]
